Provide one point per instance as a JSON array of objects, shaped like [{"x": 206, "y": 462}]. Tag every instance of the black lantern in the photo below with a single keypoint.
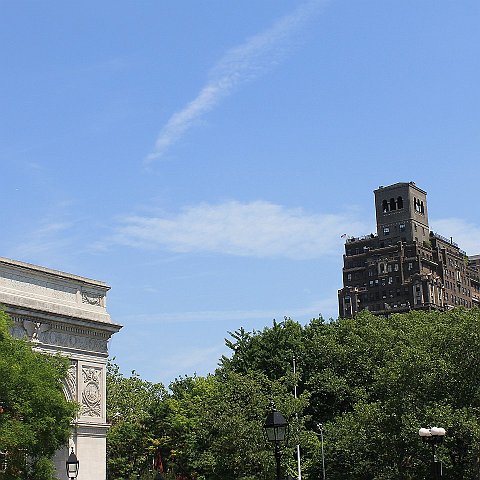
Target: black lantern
[
  {"x": 276, "y": 431},
  {"x": 72, "y": 464}
]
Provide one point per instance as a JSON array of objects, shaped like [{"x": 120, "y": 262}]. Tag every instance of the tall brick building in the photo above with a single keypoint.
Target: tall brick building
[{"x": 404, "y": 265}]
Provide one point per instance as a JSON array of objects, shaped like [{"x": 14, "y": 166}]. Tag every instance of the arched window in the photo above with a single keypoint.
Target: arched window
[
  {"x": 421, "y": 208},
  {"x": 399, "y": 203},
  {"x": 416, "y": 204},
  {"x": 393, "y": 204},
  {"x": 385, "y": 206}
]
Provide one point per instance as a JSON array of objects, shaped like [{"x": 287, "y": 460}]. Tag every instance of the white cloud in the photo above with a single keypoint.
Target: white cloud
[
  {"x": 242, "y": 64},
  {"x": 465, "y": 234},
  {"x": 257, "y": 229}
]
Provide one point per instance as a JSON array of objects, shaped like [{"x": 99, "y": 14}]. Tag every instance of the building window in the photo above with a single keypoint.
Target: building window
[
  {"x": 349, "y": 276},
  {"x": 410, "y": 265},
  {"x": 386, "y": 230},
  {"x": 390, "y": 280},
  {"x": 395, "y": 267},
  {"x": 385, "y": 206},
  {"x": 399, "y": 203},
  {"x": 418, "y": 206},
  {"x": 393, "y": 204}
]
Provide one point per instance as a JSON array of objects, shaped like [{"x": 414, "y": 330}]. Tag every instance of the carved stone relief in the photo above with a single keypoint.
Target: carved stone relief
[
  {"x": 70, "y": 385},
  {"x": 34, "y": 329},
  {"x": 91, "y": 298},
  {"x": 91, "y": 394}
]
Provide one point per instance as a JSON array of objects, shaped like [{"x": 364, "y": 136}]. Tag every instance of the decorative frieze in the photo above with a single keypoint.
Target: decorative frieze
[{"x": 59, "y": 334}]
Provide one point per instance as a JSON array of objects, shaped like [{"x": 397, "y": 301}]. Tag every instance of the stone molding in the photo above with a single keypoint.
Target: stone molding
[{"x": 89, "y": 430}]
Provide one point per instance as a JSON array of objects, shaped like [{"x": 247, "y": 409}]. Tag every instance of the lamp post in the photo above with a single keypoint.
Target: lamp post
[
  {"x": 320, "y": 427},
  {"x": 72, "y": 464},
  {"x": 434, "y": 436},
  {"x": 276, "y": 430}
]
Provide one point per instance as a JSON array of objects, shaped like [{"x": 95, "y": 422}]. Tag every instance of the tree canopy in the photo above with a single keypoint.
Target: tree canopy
[
  {"x": 371, "y": 381},
  {"x": 35, "y": 419}
]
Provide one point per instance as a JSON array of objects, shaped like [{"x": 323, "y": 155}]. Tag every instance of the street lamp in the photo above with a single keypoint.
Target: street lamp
[
  {"x": 72, "y": 464},
  {"x": 320, "y": 427},
  {"x": 276, "y": 430},
  {"x": 434, "y": 436}
]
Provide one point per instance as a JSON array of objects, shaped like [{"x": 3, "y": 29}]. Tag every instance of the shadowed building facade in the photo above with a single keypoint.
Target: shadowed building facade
[
  {"x": 404, "y": 265},
  {"x": 63, "y": 313}
]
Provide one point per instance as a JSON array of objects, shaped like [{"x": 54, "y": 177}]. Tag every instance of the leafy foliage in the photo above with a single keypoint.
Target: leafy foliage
[
  {"x": 371, "y": 381},
  {"x": 131, "y": 444},
  {"x": 36, "y": 420}
]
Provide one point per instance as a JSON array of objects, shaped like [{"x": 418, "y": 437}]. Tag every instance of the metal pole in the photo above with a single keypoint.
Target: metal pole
[
  {"x": 436, "y": 465},
  {"x": 277, "y": 459},
  {"x": 299, "y": 468},
  {"x": 323, "y": 454}
]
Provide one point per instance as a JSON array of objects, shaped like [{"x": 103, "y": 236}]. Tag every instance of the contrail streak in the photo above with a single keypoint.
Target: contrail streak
[{"x": 240, "y": 65}]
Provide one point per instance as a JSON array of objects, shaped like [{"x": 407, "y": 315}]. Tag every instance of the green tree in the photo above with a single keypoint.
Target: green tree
[
  {"x": 211, "y": 428},
  {"x": 373, "y": 382},
  {"x": 131, "y": 444},
  {"x": 398, "y": 374},
  {"x": 36, "y": 418}
]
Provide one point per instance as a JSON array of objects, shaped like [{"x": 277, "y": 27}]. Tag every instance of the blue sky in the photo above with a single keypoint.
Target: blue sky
[{"x": 204, "y": 157}]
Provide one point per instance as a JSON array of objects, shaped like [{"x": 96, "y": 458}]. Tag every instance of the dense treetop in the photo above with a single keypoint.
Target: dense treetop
[{"x": 371, "y": 381}]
